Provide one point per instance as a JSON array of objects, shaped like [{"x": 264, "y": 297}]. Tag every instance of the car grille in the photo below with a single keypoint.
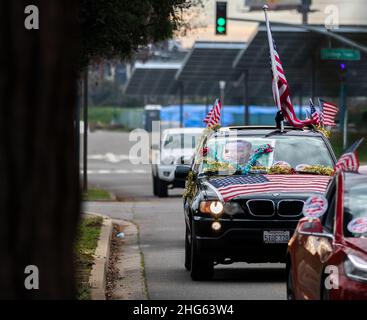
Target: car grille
[
  {"x": 290, "y": 208},
  {"x": 261, "y": 208}
]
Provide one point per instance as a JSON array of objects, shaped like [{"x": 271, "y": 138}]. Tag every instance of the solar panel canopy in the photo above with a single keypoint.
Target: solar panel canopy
[{"x": 236, "y": 63}]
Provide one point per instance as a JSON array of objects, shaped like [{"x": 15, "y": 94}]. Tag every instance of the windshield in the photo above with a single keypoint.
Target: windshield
[
  {"x": 230, "y": 154},
  {"x": 355, "y": 203},
  {"x": 181, "y": 141}
]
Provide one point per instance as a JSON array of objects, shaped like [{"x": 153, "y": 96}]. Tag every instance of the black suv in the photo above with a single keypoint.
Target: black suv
[{"x": 236, "y": 215}]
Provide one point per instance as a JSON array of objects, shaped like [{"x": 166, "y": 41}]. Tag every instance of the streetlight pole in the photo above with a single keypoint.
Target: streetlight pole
[
  {"x": 304, "y": 10},
  {"x": 222, "y": 86}
]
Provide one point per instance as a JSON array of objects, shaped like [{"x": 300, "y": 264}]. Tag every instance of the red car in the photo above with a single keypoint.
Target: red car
[{"x": 327, "y": 255}]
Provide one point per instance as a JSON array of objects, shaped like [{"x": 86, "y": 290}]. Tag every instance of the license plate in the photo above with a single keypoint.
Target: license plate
[{"x": 276, "y": 236}]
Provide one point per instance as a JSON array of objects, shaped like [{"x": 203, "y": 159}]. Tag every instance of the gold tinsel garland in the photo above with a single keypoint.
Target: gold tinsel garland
[
  {"x": 323, "y": 170},
  {"x": 316, "y": 169},
  {"x": 325, "y": 132},
  {"x": 218, "y": 166},
  {"x": 190, "y": 186},
  {"x": 280, "y": 170}
]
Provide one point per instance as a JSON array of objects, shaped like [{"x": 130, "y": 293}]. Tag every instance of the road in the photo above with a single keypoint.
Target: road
[{"x": 161, "y": 226}]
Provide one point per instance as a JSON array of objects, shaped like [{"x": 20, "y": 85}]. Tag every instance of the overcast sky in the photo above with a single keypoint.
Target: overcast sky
[{"x": 350, "y": 12}]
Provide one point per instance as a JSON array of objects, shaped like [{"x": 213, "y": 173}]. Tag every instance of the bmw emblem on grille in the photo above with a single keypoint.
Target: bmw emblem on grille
[{"x": 275, "y": 194}]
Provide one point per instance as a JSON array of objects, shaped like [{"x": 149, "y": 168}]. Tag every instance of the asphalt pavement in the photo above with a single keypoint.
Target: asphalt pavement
[{"x": 161, "y": 226}]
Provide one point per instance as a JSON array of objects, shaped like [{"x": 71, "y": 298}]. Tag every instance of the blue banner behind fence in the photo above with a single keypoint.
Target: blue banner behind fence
[{"x": 231, "y": 115}]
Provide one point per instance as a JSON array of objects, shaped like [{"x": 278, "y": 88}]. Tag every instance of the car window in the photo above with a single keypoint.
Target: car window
[
  {"x": 181, "y": 141},
  {"x": 355, "y": 202},
  {"x": 293, "y": 151}
]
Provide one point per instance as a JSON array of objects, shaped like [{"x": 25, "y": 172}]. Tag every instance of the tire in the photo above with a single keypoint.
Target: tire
[
  {"x": 187, "y": 250},
  {"x": 290, "y": 290},
  {"x": 162, "y": 188},
  {"x": 155, "y": 187},
  {"x": 202, "y": 268}
]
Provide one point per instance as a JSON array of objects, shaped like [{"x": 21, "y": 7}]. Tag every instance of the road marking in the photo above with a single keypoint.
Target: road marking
[
  {"x": 111, "y": 157},
  {"x": 140, "y": 171},
  {"x": 119, "y": 171}
]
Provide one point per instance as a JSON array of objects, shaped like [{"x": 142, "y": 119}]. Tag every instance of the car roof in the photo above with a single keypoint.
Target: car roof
[
  {"x": 264, "y": 130},
  {"x": 183, "y": 130}
]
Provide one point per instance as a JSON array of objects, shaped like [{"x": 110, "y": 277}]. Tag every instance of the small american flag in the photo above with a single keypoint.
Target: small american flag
[
  {"x": 213, "y": 116},
  {"x": 314, "y": 113},
  {"x": 284, "y": 93},
  {"x": 235, "y": 186},
  {"x": 349, "y": 159},
  {"x": 329, "y": 110}
]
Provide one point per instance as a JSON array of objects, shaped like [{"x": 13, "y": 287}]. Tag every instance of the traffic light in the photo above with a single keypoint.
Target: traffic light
[
  {"x": 342, "y": 71},
  {"x": 221, "y": 18}
]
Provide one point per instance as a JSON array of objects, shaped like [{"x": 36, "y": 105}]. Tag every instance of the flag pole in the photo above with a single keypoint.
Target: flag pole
[
  {"x": 321, "y": 112},
  {"x": 273, "y": 65}
]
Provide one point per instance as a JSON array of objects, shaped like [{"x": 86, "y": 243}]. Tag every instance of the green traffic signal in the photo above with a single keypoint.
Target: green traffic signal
[
  {"x": 221, "y": 22},
  {"x": 220, "y": 29}
]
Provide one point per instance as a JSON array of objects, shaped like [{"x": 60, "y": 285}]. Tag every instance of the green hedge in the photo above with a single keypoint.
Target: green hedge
[{"x": 337, "y": 143}]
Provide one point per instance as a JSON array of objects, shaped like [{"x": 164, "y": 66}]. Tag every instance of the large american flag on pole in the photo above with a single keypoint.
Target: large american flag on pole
[
  {"x": 286, "y": 105},
  {"x": 236, "y": 186},
  {"x": 329, "y": 111},
  {"x": 349, "y": 159},
  {"x": 213, "y": 116}
]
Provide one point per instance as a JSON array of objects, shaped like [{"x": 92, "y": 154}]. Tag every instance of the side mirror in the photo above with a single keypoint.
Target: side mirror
[
  {"x": 183, "y": 160},
  {"x": 182, "y": 171},
  {"x": 313, "y": 226}
]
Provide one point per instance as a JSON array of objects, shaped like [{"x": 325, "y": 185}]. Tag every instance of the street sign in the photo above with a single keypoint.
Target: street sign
[
  {"x": 255, "y": 5},
  {"x": 340, "y": 54}
]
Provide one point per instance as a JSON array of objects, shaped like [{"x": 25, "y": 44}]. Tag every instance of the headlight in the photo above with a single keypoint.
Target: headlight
[
  {"x": 356, "y": 268},
  {"x": 232, "y": 208},
  {"x": 212, "y": 207}
]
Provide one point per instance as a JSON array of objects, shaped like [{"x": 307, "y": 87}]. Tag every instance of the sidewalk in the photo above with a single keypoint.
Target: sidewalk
[
  {"x": 130, "y": 281},
  {"x": 363, "y": 169}
]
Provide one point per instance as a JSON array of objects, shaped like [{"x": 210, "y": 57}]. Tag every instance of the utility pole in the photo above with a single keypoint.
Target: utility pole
[
  {"x": 181, "y": 90},
  {"x": 222, "y": 86},
  {"x": 85, "y": 133},
  {"x": 246, "y": 99},
  {"x": 304, "y": 10},
  {"x": 343, "y": 104}
]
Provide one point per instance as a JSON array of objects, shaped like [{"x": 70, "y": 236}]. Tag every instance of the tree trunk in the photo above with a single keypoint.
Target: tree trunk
[{"x": 39, "y": 183}]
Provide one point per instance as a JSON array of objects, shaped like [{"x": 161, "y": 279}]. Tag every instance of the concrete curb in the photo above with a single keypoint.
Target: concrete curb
[
  {"x": 97, "y": 279},
  {"x": 131, "y": 285}
]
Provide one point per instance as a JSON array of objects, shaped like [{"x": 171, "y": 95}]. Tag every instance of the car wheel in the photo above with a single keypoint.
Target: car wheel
[
  {"x": 155, "y": 187},
  {"x": 202, "y": 268},
  {"x": 290, "y": 290},
  {"x": 187, "y": 250},
  {"x": 162, "y": 188}
]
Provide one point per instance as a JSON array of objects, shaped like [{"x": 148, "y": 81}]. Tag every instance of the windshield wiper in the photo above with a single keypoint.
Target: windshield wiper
[{"x": 273, "y": 133}]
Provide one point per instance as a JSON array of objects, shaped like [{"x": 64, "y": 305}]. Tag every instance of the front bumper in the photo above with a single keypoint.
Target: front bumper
[
  {"x": 166, "y": 172},
  {"x": 241, "y": 240}
]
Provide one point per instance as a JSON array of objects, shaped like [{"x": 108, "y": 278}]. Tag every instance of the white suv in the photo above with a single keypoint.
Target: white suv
[{"x": 177, "y": 147}]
